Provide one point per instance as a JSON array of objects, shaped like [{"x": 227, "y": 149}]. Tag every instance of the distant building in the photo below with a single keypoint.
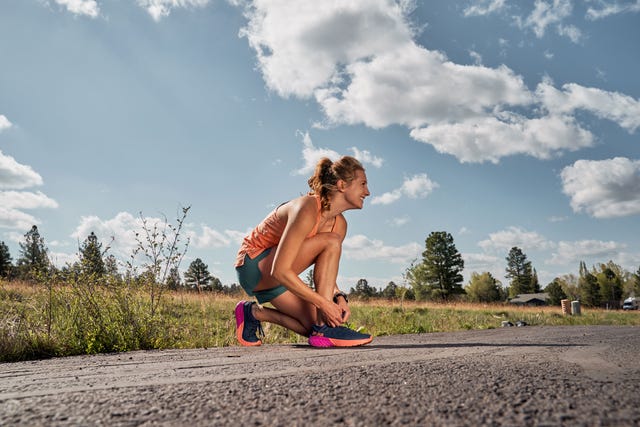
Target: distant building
[{"x": 530, "y": 299}]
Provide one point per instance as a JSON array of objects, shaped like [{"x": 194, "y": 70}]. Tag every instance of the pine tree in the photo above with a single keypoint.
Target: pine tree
[
  {"x": 197, "y": 276},
  {"x": 443, "y": 265},
  {"x": 5, "y": 261},
  {"x": 520, "y": 272},
  {"x": 173, "y": 280},
  {"x": 390, "y": 291},
  {"x": 609, "y": 279},
  {"x": 555, "y": 291},
  {"x": 91, "y": 256},
  {"x": 33, "y": 261},
  {"x": 588, "y": 287}
]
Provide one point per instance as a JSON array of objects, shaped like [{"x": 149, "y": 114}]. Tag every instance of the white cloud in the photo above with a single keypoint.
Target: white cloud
[
  {"x": 14, "y": 175},
  {"x": 311, "y": 155},
  {"x": 81, "y": 7},
  {"x": 15, "y": 219},
  {"x": 381, "y": 77},
  {"x": 25, "y": 200},
  {"x": 574, "y": 252},
  {"x": 365, "y": 157},
  {"x": 159, "y": 9},
  {"x": 608, "y": 8},
  {"x": 546, "y": 13},
  {"x": 416, "y": 187},
  {"x": 605, "y": 188},
  {"x": 422, "y": 82},
  {"x": 360, "y": 247},
  {"x": 504, "y": 240},
  {"x": 399, "y": 221},
  {"x": 619, "y": 108},
  {"x": 4, "y": 123},
  {"x": 491, "y": 138},
  {"x": 124, "y": 226},
  {"x": 484, "y": 7},
  {"x": 301, "y": 45},
  {"x": 209, "y": 238}
]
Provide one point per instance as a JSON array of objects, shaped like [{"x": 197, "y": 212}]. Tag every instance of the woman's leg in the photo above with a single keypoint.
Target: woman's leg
[{"x": 323, "y": 252}]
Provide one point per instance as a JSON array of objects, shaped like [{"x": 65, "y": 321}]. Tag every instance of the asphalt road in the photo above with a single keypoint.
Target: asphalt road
[{"x": 519, "y": 376}]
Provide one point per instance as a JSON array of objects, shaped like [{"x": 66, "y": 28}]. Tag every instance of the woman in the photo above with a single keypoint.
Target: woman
[{"x": 303, "y": 232}]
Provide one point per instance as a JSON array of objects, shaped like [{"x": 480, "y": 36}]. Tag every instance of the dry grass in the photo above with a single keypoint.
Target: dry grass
[{"x": 38, "y": 321}]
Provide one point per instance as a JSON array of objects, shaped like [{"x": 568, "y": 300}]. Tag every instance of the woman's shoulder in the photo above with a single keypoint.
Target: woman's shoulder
[{"x": 302, "y": 204}]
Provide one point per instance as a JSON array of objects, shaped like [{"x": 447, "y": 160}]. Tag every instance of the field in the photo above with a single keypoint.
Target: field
[{"x": 38, "y": 321}]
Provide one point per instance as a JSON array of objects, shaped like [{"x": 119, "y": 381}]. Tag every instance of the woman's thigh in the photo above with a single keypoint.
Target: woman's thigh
[{"x": 309, "y": 251}]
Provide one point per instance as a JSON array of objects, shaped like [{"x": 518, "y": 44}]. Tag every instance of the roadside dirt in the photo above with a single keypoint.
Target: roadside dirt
[{"x": 537, "y": 376}]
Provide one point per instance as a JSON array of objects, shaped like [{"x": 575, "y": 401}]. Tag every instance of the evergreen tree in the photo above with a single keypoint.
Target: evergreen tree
[
  {"x": 556, "y": 294},
  {"x": 609, "y": 279},
  {"x": 483, "y": 288},
  {"x": 33, "y": 261},
  {"x": 111, "y": 266},
  {"x": 363, "y": 290},
  {"x": 636, "y": 281},
  {"x": 197, "y": 276},
  {"x": 173, "y": 280},
  {"x": 391, "y": 291},
  {"x": 442, "y": 266},
  {"x": 588, "y": 287},
  {"x": 91, "y": 260},
  {"x": 216, "y": 285},
  {"x": 535, "y": 283},
  {"x": 520, "y": 272},
  {"x": 5, "y": 261}
]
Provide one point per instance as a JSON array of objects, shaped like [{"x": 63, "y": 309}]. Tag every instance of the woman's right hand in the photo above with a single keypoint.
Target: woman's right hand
[{"x": 332, "y": 314}]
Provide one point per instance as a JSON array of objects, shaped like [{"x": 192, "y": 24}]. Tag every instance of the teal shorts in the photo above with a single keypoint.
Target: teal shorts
[{"x": 249, "y": 276}]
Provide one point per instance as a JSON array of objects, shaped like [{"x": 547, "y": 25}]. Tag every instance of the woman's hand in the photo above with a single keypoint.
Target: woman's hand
[
  {"x": 346, "y": 312},
  {"x": 333, "y": 314}
]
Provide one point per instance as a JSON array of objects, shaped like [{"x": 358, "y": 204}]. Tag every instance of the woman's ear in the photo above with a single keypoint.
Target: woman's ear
[{"x": 341, "y": 185}]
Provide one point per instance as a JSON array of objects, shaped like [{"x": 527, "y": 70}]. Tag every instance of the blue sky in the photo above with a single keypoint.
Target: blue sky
[{"x": 504, "y": 123}]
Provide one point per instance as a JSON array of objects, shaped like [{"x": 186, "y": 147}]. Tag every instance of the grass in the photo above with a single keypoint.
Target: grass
[{"x": 39, "y": 321}]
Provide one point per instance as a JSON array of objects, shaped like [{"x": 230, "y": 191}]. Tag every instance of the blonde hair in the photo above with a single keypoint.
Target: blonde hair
[{"x": 326, "y": 176}]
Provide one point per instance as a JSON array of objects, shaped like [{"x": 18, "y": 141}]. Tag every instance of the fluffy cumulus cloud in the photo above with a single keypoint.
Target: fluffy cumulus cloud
[
  {"x": 603, "y": 188},
  {"x": 4, "y": 123},
  {"x": 504, "y": 240},
  {"x": 416, "y": 187},
  {"x": 15, "y": 176},
  {"x": 159, "y": 9},
  {"x": 574, "y": 252},
  {"x": 81, "y": 7},
  {"x": 360, "y": 247},
  {"x": 312, "y": 154},
  {"x": 366, "y": 68},
  {"x": 619, "y": 108},
  {"x": 120, "y": 232}
]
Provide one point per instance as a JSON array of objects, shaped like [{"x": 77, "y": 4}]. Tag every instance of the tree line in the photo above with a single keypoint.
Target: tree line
[
  {"x": 33, "y": 264},
  {"x": 437, "y": 276}
]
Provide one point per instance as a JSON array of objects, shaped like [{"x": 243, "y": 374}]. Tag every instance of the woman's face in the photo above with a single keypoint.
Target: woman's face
[{"x": 357, "y": 190}]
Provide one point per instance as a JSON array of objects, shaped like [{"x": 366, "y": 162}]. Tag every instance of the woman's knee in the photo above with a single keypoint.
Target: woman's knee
[{"x": 331, "y": 241}]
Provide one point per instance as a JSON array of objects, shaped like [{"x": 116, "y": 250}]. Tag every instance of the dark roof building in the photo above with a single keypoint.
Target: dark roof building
[{"x": 530, "y": 299}]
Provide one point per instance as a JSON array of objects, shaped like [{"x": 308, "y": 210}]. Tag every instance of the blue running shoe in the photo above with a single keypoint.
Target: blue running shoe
[
  {"x": 247, "y": 327},
  {"x": 339, "y": 336}
]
